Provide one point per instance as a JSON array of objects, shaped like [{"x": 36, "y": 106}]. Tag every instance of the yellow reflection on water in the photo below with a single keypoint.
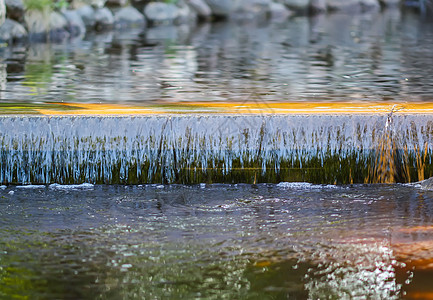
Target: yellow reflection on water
[{"x": 237, "y": 108}]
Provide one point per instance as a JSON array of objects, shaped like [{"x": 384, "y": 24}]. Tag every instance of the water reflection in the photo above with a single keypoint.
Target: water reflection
[
  {"x": 238, "y": 241},
  {"x": 375, "y": 56}
]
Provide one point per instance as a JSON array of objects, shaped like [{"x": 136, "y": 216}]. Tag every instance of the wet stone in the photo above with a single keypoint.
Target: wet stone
[
  {"x": 75, "y": 26},
  {"x": 12, "y": 31},
  {"x": 15, "y": 10},
  {"x": 87, "y": 13},
  {"x": 161, "y": 13},
  {"x": 129, "y": 17},
  {"x": 103, "y": 19}
]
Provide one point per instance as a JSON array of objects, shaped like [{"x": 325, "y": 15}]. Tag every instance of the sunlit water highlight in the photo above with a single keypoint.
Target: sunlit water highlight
[{"x": 294, "y": 240}]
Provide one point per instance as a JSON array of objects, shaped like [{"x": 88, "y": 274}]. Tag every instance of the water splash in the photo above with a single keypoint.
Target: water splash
[{"x": 215, "y": 148}]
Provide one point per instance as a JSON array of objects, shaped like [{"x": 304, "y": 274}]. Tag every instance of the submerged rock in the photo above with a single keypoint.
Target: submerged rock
[
  {"x": 129, "y": 17},
  {"x": 12, "y": 31}
]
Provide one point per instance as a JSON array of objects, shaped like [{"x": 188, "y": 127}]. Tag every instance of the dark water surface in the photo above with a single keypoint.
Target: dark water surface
[
  {"x": 378, "y": 56},
  {"x": 292, "y": 240}
]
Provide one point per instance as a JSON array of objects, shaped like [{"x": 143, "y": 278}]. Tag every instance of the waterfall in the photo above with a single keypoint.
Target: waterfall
[{"x": 211, "y": 148}]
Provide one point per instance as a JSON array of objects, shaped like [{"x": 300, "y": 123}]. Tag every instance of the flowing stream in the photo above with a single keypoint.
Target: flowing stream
[{"x": 204, "y": 205}]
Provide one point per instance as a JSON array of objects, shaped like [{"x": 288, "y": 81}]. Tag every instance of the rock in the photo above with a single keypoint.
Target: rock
[
  {"x": 298, "y": 6},
  {"x": 104, "y": 19},
  {"x": 221, "y": 8},
  {"x": 76, "y": 4},
  {"x": 129, "y": 17},
  {"x": 279, "y": 11},
  {"x": 426, "y": 184},
  {"x": 87, "y": 14},
  {"x": 201, "y": 8},
  {"x": 389, "y": 3},
  {"x": 343, "y": 5},
  {"x": 42, "y": 26},
  {"x": 116, "y": 3},
  {"x": 75, "y": 26},
  {"x": 161, "y": 13},
  {"x": 12, "y": 31},
  {"x": 317, "y": 6},
  {"x": 15, "y": 10},
  {"x": 2, "y": 12},
  {"x": 251, "y": 9},
  {"x": 185, "y": 14},
  {"x": 58, "y": 27},
  {"x": 96, "y": 3},
  {"x": 369, "y": 5}
]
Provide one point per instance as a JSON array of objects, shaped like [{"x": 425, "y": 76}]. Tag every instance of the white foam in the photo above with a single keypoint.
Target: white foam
[
  {"x": 83, "y": 186},
  {"x": 11, "y": 192},
  {"x": 304, "y": 185},
  {"x": 295, "y": 185},
  {"x": 31, "y": 186},
  {"x": 2, "y": 187}
]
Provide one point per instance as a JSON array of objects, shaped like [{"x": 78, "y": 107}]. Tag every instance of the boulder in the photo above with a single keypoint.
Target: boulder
[
  {"x": 129, "y": 17},
  {"x": 15, "y": 10},
  {"x": 87, "y": 14},
  {"x": 317, "y": 6},
  {"x": 2, "y": 12},
  {"x": 58, "y": 27},
  {"x": 201, "y": 8},
  {"x": 185, "y": 14},
  {"x": 104, "y": 19},
  {"x": 116, "y": 3},
  {"x": 75, "y": 26},
  {"x": 41, "y": 26},
  {"x": 279, "y": 11},
  {"x": 369, "y": 5},
  {"x": 11, "y": 31},
  {"x": 76, "y": 4},
  {"x": 343, "y": 5},
  {"x": 221, "y": 8},
  {"x": 389, "y": 3},
  {"x": 159, "y": 13}
]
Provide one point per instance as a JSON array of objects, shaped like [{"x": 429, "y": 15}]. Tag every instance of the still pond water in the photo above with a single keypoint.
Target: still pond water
[{"x": 379, "y": 56}]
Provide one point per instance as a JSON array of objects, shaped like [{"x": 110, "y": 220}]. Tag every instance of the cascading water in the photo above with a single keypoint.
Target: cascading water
[{"x": 215, "y": 148}]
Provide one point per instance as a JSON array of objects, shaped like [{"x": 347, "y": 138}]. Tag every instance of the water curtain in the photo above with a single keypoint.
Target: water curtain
[{"x": 215, "y": 148}]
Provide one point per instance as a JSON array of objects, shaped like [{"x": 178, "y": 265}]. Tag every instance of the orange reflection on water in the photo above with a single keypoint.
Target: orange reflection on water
[{"x": 240, "y": 108}]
